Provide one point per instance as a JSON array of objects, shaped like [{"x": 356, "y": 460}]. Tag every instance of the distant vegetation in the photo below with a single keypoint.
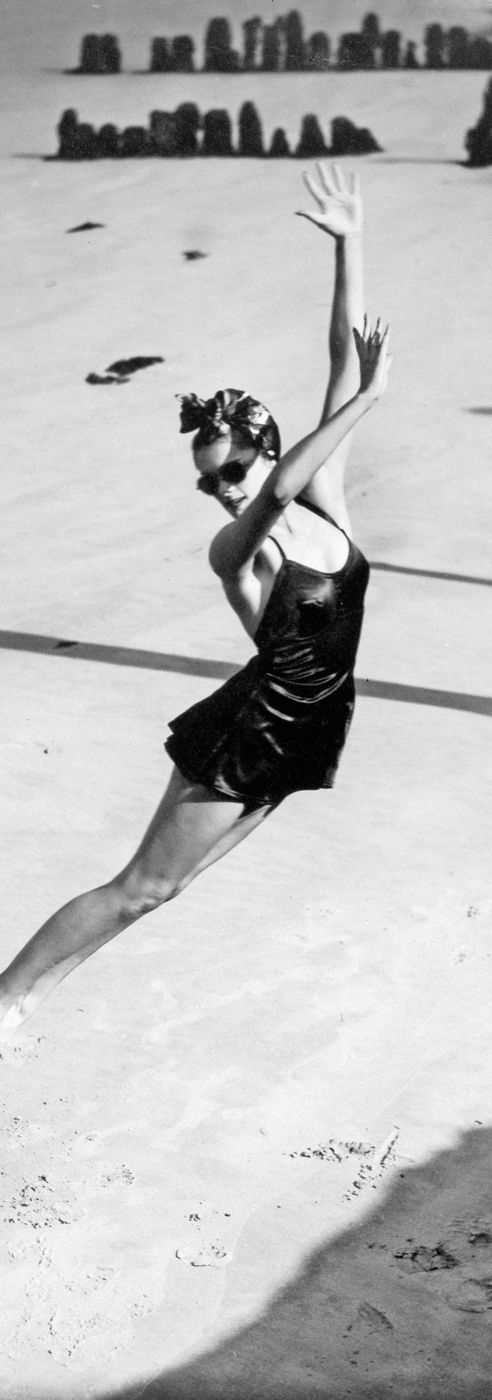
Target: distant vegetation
[
  {"x": 283, "y": 47},
  {"x": 185, "y": 132},
  {"x": 100, "y": 53},
  {"x": 478, "y": 140}
]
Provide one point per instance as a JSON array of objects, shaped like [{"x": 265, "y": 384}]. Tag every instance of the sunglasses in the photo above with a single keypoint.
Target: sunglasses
[{"x": 232, "y": 473}]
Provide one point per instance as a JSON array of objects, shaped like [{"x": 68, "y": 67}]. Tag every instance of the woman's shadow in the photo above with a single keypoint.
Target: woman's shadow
[{"x": 397, "y": 1308}]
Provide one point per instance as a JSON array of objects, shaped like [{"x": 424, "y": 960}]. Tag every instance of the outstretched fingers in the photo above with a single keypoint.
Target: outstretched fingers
[
  {"x": 328, "y": 179},
  {"x": 314, "y": 189},
  {"x": 338, "y": 178},
  {"x": 370, "y": 341}
]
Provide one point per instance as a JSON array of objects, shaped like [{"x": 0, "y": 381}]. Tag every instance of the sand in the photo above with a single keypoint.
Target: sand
[{"x": 247, "y": 1147}]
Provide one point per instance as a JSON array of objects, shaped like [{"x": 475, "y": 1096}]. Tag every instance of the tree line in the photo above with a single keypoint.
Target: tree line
[
  {"x": 185, "y": 132},
  {"x": 283, "y": 46}
]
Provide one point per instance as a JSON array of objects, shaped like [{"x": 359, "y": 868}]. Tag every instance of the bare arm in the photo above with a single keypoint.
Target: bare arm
[
  {"x": 235, "y": 546},
  {"x": 339, "y": 213}
]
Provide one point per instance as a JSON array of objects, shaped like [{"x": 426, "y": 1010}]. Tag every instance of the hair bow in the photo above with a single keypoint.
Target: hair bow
[{"x": 230, "y": 408}]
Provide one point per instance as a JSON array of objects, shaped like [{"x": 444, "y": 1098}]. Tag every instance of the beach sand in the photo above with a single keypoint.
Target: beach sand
[{"x": 247, "y": 1147}]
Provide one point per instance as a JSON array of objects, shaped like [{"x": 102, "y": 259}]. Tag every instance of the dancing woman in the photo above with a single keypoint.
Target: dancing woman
[{"x": 297, "y": 582}]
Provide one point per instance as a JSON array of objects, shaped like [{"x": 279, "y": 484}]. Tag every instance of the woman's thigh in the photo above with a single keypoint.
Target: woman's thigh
[{"x": 192, "y": 828}]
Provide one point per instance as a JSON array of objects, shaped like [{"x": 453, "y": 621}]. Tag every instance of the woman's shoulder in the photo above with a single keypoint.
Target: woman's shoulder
[{"x": 219, "y": 550}]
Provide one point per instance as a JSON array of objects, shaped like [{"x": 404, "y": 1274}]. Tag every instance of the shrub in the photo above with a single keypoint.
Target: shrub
[
  {"x": 350, "y": 140},
  {"x": 217, "y": 134},
  {"x": 250, "y": 132},
  {"x": 159, "y": 56},
  {"x": 87, "y": 146},
  {"x": 294, "y": 41},
  {"x": 411, "y": 60},
  {"x": 68, "y": 129},
  {"x": 458, "y": 47},
  {"x": 366, "y": 142},
  {"x": 312, "y": 142},
  {"x": 390, "y": 52},
  {"x": 91, "y": 55},
  {"x": 318, "y": 52},
  {"x": 183, "y": 54},
  {"x": 219, "y": 56},
  {"x": 434, "y": 46},
  {"x": 279, "y": 146},
  {"x": 108, "y": 142},
  {"x": 135, "y": 141},
  {"x": 355, "y": 51},
  {"x": 271, "y": 48},
  {"x": 100, "y": 53},
  {"x": 110, "y": 54},
  {"x": 479, "y": 52},
  {"x": 370, "y": 30},
  {"x": 478, "y": 140},
  {"x": 188, "y": 121},
  {"x": 252, "y": 30},
  {"x": 163, "y": 134}
]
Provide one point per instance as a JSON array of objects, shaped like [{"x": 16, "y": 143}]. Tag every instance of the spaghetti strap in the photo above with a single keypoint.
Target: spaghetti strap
[
  {"x": 317, "y": 510},
  {"x": 279, "y": 546}
]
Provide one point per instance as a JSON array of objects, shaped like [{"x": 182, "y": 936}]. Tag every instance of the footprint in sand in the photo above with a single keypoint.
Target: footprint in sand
[
  {"x": 473, "y": 1295},
  {"x": 467, "y": 1252},
  {"x": 84, "y": 228},
  {"x": 427, "y": 1259},
  {"x": 117, "y": 1176},
  {"x": 370, "y": 1163},
  {"x": 119, "y": 372},
  {"x": 18, "y": 1055},
  {"x": 201, "y": 1251},
  {"x": 206, "y": 1256}
]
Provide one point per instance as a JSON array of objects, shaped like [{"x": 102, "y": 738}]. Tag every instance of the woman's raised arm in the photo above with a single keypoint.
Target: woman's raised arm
[
  {"x": 236, "y": 544},
  {"x": 338, "y": 211},
  {"x": 289, "y": 477}
]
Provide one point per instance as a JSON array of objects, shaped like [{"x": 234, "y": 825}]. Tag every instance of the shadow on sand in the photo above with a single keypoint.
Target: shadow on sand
[
  {"x": 397, "y": 1308},
  {"x": 221, "y": 670}
]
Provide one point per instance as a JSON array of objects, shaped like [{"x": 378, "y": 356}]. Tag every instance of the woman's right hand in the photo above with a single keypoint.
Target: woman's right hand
[{"x": 374, "y": 360}]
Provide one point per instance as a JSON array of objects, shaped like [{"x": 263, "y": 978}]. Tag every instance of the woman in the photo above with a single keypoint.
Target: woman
[{"x": 296, "y": 581}]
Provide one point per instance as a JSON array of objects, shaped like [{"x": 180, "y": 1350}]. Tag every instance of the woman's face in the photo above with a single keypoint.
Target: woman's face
[{"x": 228, "y": 456}]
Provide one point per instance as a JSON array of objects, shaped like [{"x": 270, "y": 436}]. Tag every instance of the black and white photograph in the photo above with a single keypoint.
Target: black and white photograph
[{"x": 245, "y": 963}]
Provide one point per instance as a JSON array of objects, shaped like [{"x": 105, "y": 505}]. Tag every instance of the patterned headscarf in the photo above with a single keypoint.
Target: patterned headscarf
[{"x": 230, "y": 408}]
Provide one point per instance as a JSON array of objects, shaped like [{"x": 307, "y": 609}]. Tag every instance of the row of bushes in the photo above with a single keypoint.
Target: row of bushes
[
  {"x": 186, "y": 133},
  {"x": 283, "y": 47}
]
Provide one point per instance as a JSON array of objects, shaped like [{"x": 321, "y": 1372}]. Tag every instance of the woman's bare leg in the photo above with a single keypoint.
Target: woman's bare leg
[{"x": 191, "y": 829}]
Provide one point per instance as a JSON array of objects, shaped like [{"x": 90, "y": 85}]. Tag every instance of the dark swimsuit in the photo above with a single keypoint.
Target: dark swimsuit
[{"x": 280, "y": 724}]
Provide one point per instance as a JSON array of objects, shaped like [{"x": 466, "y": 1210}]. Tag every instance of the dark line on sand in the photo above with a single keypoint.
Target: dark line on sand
[
  {"x": 422, "y": 695},
  {"x": 221, "y": 670},
  {"x": 431, "y": 573},
  {"x": 117, "y": 656}
]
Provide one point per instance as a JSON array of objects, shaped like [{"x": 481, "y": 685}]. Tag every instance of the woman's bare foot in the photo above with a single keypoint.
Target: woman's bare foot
[
  {"x": 11, "y": 1017},
  {"x": 17, "y": 1007}
]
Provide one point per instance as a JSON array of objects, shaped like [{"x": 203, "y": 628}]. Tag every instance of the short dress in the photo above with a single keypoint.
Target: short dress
[{"x": 279, "y": 725}]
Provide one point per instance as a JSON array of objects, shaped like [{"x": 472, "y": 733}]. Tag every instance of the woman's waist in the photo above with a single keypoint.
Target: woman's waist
[
  {"x": 296, "y": 692},
  {"x": 304, "y": 665}
]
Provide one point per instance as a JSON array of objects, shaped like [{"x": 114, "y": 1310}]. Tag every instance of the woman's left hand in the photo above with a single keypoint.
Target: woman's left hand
[
  {"x": 374, "y": 360},
  {"x": 339, "y": 201}
]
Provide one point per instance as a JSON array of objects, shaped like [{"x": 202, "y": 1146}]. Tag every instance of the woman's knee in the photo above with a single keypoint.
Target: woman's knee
[{"x": 140, "y": 892}]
